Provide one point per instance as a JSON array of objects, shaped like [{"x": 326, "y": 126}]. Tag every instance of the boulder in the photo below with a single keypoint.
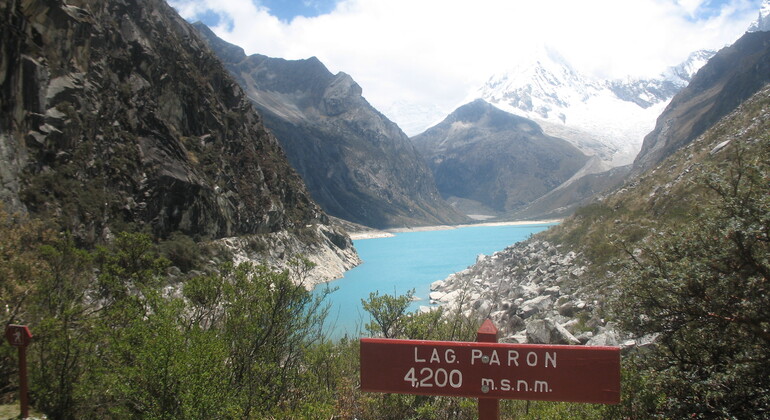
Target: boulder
[
  {"x": 568, "y": 309},
  {"x": 585, "y": 337},
  {"x": 436, "y": 295},
  {"x": 515, "y": 323},
  {"x": 484, "y": 306},
  {"x": 533, "y": 306},
  {"x": 545, "y": 331},
  {"x": 605, "y": 338},
  {"x": 451, "y": 296}
]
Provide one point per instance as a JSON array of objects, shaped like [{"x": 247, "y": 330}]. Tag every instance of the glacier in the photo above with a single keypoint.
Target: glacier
[{"x": 602, "y": 117}]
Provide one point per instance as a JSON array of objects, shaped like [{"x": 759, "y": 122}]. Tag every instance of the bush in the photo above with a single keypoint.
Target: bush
[
  {"x": 703, "y": 286},
  {"x": 181, "y": 250}
]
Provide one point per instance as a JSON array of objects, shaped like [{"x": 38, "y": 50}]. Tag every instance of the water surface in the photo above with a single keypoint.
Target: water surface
[{"x": 412, "y": 260}]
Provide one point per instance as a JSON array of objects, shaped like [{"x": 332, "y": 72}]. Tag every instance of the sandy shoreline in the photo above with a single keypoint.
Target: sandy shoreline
[{"x": 372, "y": 234}]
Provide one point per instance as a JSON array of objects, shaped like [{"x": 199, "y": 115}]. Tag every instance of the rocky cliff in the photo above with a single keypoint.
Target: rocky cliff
[
  {"x": 494, "y": 160},
  {"x": 357, "y": 164},
  {"x": 116, "y": 115}
]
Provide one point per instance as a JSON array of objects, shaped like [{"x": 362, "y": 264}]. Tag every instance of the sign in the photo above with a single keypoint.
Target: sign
[
  {"x": 491, "y": 370},
  {"x": 18, "y": 335}
]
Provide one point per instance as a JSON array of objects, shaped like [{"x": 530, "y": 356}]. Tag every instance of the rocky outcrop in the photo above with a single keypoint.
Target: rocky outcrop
[
  {"x": 329, "y": 249},
  {"x": 117, "y": 116},
  {"x": 499, "y": 161},
  {"x": 532, "y": 292},
  {"x": 357, "y": 164}
]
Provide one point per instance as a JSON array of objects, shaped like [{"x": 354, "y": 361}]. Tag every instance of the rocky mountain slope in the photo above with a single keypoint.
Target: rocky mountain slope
[
  {"x": 576, "y": 192},
  {"x": 116, "y": 115},
  {"x": 485, "y": 159},
  {"x": 733, "y": 75},
  {"x": 604, "y": 118},
  {"x": 357, "y": 164}
]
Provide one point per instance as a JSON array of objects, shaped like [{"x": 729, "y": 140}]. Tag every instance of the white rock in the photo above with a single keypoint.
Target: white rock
[
  {"x": 451, "y": 296},
  {"x": 535, "y": 305},
  {"x": 436, "y": 295},
  {"x": 437, "y": 285}
]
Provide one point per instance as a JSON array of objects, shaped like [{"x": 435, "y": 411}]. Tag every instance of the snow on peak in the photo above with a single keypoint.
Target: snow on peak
[
  {"x": 541, "y": 86},
  {"x": 607, "y": 118},
  {"x": 683, "y": 73},
  {"x": 762, "y": 24}
]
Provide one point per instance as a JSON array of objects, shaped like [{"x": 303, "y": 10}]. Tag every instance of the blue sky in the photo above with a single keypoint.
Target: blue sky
[
  {"x": 283, "y": 10},
  {"x": 287, "y": 10},
  {"x": 435, "y": 53}
]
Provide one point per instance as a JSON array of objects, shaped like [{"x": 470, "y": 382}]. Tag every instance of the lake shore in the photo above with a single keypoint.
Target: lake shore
[{"x": 373, "y": 234}]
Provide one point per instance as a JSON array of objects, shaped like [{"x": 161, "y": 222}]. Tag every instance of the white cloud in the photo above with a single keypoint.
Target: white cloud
[{"x": 437, "y": 51}]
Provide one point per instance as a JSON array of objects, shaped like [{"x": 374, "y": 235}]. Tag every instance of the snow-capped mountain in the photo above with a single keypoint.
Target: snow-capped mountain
[
  {"x": 605, "y": 118},
  {"x": 763, "y": 21}
]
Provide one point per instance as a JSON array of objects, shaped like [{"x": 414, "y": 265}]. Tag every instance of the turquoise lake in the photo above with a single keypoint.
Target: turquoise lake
[{"x": 412, "y": 260}]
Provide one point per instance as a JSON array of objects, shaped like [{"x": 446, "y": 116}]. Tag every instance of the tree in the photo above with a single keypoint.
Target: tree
[
  {"x": 21, "y": 266},
  {"x": 703, "y": 287},
  {"x": 387, "y": 312},
  {"x": 63, "y": 325}
]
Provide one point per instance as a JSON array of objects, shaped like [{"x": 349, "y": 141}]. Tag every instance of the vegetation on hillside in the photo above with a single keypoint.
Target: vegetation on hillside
[
  {"x": 116, "y": 337},
  {"x": 702, "y": 287},
  {"x": 682, "y": 255}
]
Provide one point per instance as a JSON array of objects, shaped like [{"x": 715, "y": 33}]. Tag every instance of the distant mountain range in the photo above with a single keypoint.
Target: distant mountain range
[
  {"x": 539, "y": 142},
  {"x": 604, "y": 118},
  {"x": 555, "y": 96},
  {"x": 358, "y": 165}
]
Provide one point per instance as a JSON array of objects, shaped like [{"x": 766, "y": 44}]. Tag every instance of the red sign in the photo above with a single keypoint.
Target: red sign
[
  {"x": 491, "y": 370},
  {"x": 18, "y": 335}
]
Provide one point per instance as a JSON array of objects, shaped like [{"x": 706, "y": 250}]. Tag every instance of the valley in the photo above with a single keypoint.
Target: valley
[{"x": 191, "y": 231}]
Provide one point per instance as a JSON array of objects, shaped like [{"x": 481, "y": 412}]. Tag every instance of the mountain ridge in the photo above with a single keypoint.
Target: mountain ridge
[
  {"x": 357, "y": 164},
  {"x": 604, "y": 117},
  {"x": 483, "y": 155},
  {"x": 730, "y": 77}
]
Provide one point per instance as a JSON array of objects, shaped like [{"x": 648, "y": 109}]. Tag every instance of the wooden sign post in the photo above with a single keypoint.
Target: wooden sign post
[
  {"x": 489, "y": 408},
  {"x": 489, "y": 371},
  {"x": 19, "y": 336}
]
